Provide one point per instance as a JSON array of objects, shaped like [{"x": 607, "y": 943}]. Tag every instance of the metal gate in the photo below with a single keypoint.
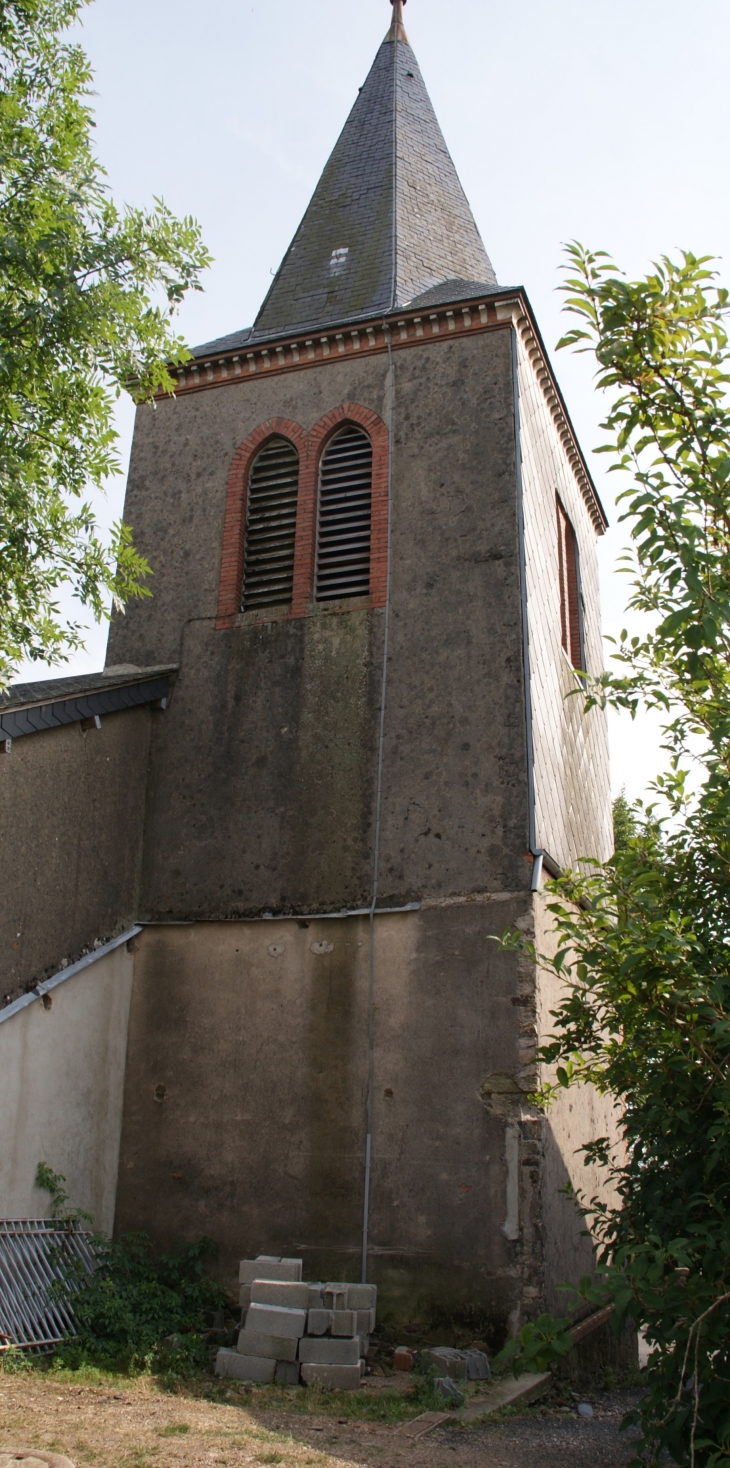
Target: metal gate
[{"x": 36, "y": 1255}]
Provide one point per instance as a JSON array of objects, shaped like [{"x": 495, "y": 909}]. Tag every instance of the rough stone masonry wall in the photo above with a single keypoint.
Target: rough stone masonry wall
[
  {"x": 245, "y": 1104},
  {"x": 263, "y": 776},
  {"x": 71, "y": 819},
  {"x": 263, "y": 779}
]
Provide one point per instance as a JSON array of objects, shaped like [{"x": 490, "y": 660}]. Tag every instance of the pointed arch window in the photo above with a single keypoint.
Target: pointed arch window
[
  {"x": 344, "y": 514},
  {"x": 571, "y": 623},
  {"x": 271, "y": 518}
]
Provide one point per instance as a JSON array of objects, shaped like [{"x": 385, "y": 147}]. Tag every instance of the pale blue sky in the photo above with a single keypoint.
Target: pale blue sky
[{"x": 607, "y": 123}]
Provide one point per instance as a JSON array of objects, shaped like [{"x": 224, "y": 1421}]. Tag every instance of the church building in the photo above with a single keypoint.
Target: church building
[{"x": 261, "y": 863}]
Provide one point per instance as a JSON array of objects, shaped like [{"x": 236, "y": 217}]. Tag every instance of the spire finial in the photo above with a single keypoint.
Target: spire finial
[{"x": 397, "y": 30}]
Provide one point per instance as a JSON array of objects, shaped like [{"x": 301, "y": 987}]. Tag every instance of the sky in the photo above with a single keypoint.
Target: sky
[{"x": 566, "y": 120}]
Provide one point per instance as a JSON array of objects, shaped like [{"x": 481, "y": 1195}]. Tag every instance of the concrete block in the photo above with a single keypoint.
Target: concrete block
[
  {"x": 344, "y": 1322},
  {"x": 277, "y": 1320},
  {"x": 319, "y": 1322},
  {"x": 447, "y": 1361},
  {"x": 244, "y": 1368},
  {"x": 362, "y": 1296},
  {"x": 449, "y": 1392},
  {"x": 365, "y": 1321},
  {"x": 333, "y": 1378},
  {"x": 403, "y": 1358},
  {"x": 477, "y": 1366},
  {"x": 287, "y": 1373},
  {"x": 316, "y": 1296},
  {"x": 335, "y": 1297},
  {"x": 244, "y": 1296},
  {"x": 286, "y": 1269},
  {"x": 364, "y": 1345},
  {"x": 221, "y": 1362},
  {"x": 326, "y": 1351},
  {"x": 273, "y": 1347},
  {"x": 280, "y": 1292}
]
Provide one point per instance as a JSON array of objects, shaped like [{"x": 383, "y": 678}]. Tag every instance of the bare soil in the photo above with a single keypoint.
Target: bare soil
[{"x": 135, "y": 1424}]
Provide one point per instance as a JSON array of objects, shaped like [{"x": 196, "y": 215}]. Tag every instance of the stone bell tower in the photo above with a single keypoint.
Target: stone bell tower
[{"x": 373, "y": 537}]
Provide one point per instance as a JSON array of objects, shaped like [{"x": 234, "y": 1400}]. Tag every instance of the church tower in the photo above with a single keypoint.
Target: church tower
[{"x": 373, "y": 536}]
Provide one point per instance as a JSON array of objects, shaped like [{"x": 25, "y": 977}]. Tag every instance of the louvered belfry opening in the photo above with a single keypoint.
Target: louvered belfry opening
[
  {"x": 343, "y": 521},
  {"x": 271, "y": 520}
]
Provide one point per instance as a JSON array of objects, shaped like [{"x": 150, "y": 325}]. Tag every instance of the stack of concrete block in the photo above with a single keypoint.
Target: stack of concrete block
[{"x": 294, "y": 1330}]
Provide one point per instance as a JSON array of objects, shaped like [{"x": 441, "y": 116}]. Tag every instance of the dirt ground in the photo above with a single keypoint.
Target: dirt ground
[{"x": 136, "y": 1425}]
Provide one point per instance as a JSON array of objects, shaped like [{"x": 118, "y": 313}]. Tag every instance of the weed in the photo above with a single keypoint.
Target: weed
[{"x": 15, "y": 1362}]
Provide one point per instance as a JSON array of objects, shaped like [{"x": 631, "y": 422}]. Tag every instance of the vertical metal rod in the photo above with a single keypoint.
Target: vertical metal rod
[
  {"x": 376, "y": 853},
  {"x": 384, "y": 689}
]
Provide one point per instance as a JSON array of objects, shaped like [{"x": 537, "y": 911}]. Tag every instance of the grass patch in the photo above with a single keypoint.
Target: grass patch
[
  {"x": 173, "y": 1429},
  {"x": 389, "y": 1407}
]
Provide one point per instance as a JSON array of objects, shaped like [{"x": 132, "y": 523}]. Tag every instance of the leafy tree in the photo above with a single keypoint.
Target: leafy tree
[
  {"x": 87, "y": 296},
  {"x": 643, "y": 949},
  {"x": 624, "y": 821}
]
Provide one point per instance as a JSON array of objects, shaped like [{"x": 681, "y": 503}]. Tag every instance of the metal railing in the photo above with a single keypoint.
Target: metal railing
[{"x": 36, "y": 1256}]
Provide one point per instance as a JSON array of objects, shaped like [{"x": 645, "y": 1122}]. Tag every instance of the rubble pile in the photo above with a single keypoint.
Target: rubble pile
[{"x": 294, "y": 1331}]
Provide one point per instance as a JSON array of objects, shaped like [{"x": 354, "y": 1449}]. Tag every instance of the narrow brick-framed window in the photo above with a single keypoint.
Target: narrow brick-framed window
[
  {"x": 342, "y": 564},
  {"x": 351, "y": 415},
  {"x": 271, "y": 523},
  {"x": 234, "y": 530},
  {"x": 571, "y": 621}
]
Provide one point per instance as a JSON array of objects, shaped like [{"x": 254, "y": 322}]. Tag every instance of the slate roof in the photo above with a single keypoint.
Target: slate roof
[
  {"x": 224, "y": 343},
  {"x": 456, "y": 290},
  {"x": 388, "y": 220},
  {"x": 50, "y": 690}
]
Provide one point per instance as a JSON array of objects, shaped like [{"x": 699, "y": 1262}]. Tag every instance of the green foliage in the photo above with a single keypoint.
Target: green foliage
[
  {"x": 540, "y": 1344},
  {"x": 624, "y": 822},
  {"x": 141, "y": 1311},
  {"x": 53, "y": 1183},
  {"x": 87, "y": 296},
  {"x": 643, "y": 952},
  {"x": 137, "y": 1310}
]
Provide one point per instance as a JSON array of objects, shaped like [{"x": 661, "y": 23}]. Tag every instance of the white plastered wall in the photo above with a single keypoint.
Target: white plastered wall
[
  {"x": 61, "y": 1090},
  {"x": 571, "y": 768}
]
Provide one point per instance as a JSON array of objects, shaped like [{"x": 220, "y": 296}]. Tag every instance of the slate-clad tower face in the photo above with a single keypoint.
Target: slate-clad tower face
[{"x": 373, "y": 538}]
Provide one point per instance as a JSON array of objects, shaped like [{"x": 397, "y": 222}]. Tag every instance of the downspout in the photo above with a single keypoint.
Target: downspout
[{"x": 540, "y": 857}]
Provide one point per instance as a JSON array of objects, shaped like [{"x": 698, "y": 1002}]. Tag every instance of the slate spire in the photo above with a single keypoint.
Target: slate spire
[{"x": 388, "y": 219}]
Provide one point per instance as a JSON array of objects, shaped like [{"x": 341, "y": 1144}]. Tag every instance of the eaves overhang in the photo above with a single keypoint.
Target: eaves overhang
[
  {"x": 479, "y": 309},
  {"x": 35, "y": 707}
]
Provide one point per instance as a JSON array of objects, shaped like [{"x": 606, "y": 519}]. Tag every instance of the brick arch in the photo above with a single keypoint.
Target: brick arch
[
  {"x": 319, "y": 437},
  {"x": 234, "y": 525}
]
